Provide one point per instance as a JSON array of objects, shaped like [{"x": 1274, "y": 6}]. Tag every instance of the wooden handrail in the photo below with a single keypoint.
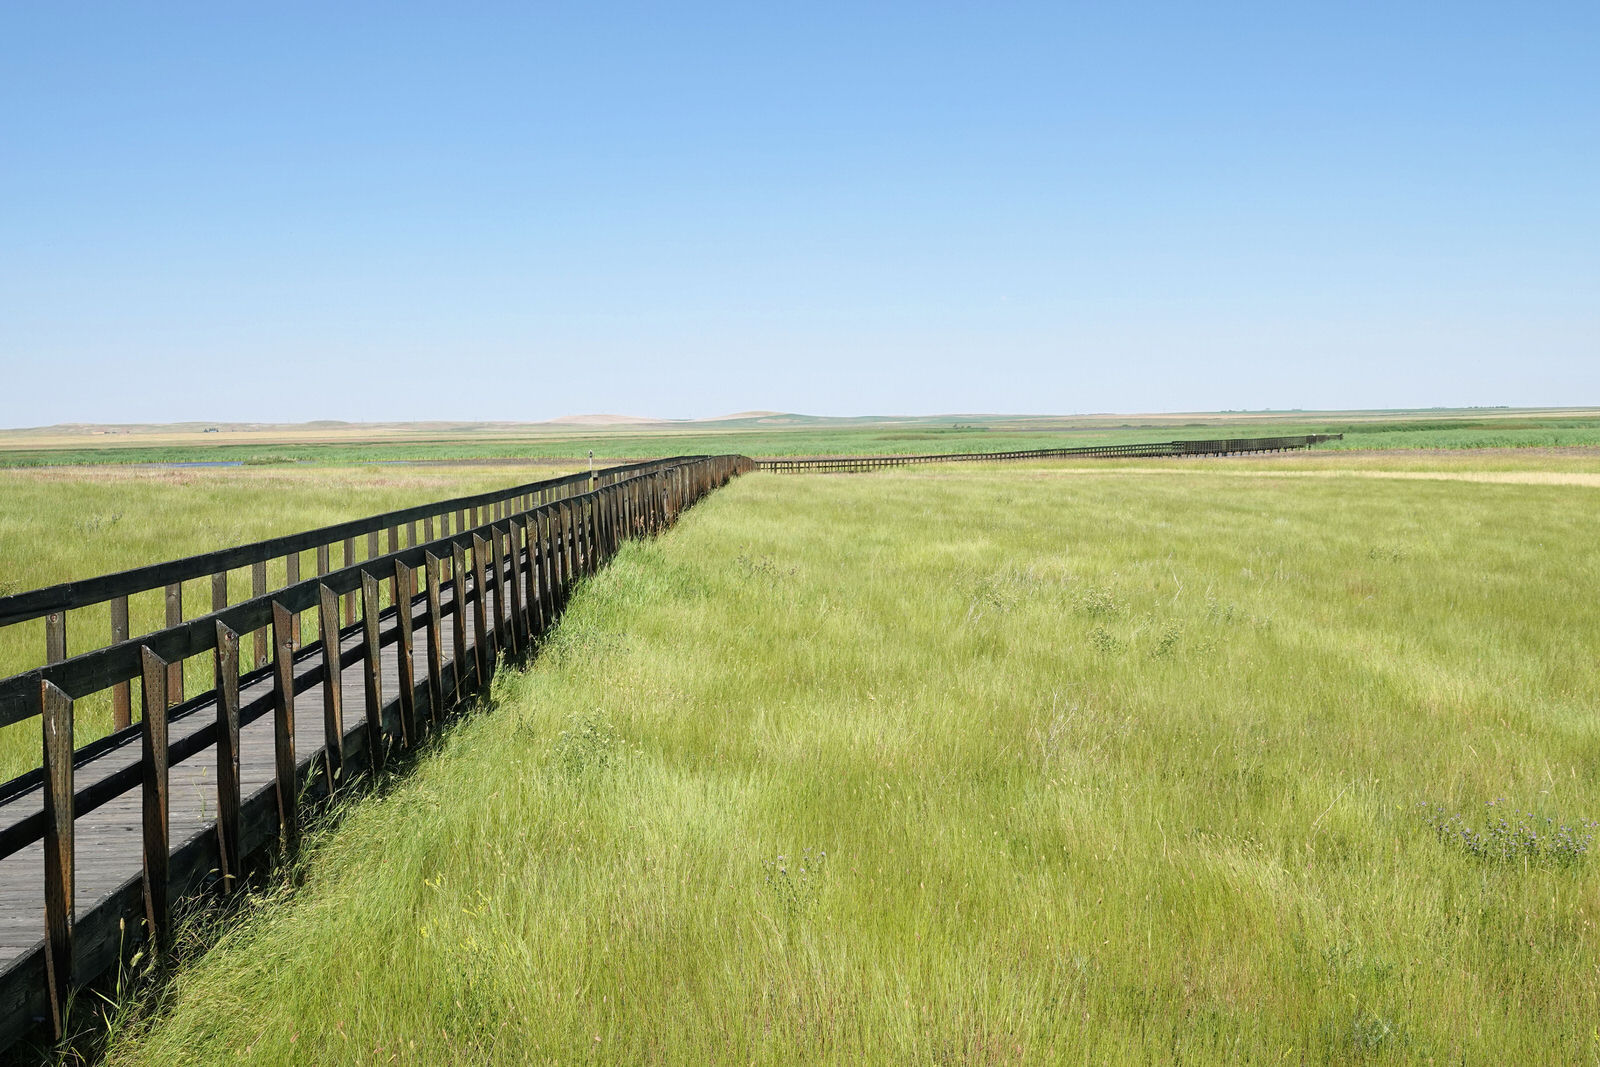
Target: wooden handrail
[{"x": 86, "y": 592}]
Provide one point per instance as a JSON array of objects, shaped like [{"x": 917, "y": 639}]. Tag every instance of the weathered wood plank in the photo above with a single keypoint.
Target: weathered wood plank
[
  {"x": 59, "y": 851},
  {"x": 55, "y": 637},
  {"x": 408, "y": 705},
  {"x": 332, "y": 689},
  {"x": 519, "y": 621},
  {"x": 372, "y": 675},
  {"x": 481, "y": 644},
  {"x": 431, "y": 572},
  {"x": 121, "y": 692},
  {"x": 153, "y": 759},
  {"x": 226, "y": 658},
  {"x": 458, "y": 618},
  {"x": 283, "y": 727},
  {"x": 258, "y": 589}
]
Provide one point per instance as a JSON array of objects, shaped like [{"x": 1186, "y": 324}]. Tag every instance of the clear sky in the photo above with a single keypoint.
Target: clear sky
[{"x": 474, "y": 211}]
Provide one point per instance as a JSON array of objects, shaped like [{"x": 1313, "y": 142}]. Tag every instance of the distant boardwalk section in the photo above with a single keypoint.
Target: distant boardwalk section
[{"x": 1157, "y": 450}]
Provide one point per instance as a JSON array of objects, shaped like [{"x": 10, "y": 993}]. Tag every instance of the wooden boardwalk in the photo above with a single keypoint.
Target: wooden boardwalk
[
  {"x": 100, "y": 841},
  {"x": 109, "y": 838},
  {"x": 1151, "y": 450}
]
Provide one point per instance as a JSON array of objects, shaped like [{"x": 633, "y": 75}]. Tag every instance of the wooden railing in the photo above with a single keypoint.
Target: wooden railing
[
  {"x": 340, "y": 545},
  {"x": 503, "y": 569},
  {"x": 1160, "y": 449}
]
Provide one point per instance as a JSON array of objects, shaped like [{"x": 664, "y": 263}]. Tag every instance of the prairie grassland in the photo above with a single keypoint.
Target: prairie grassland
[
  {"x": 987, "y": 766},
  {"x": 357, "y": 445},
  {"x": 63, "y": 524}
]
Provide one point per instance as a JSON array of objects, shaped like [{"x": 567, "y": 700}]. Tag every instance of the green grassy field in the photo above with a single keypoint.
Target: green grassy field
[
  {"x": 60, "y": 525},
  {"x": 988, "y": 766},
  {"x": 1394, "y": 430}
]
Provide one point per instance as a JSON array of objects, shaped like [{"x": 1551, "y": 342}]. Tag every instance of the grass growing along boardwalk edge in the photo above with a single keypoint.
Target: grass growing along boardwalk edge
[{"x": 1106, "y": 769}]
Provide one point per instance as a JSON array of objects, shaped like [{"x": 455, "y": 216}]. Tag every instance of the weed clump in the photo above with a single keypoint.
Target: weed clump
[
  {"x": 1168, "y": 640},
  {"x": 1505, "y": 835},
  {"x": 1098, "y": 604},
  {"x": 793, "y": 883},
  {"x": 589, "y": 745},
  {"x": 1104, "y": 641}
]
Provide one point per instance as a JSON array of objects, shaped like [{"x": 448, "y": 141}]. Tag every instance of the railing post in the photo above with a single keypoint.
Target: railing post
[
  {"x": 332, "y": 687},
  {"x": 55, "y": 636},
  {"x": 547, "y": 580},
  {"x": 291, "y": 571},
  {"x": 258, "y": 589},
  {"x": 226, "y": 658},
  {"x": 283, "y": 727},
  {"x": 55, "y": 713},
  {"x": 458, "y": 614},
  {"x": 405, "y": 661},
  {"x": 372, "y": 670},
  {"x": 545, "y": 519},
  {"x": 502, "y": 629},
  {"x": 569, "y": 549},
  {"x": 175, "y": 668},
  {"x": 480, "y": 630},
  {"x": 219, "y": 591},
  {"x": 122, "y": 692},
  {"x": 431, "y": 572},
  {"x": 535, "y": 611},
  {"x": 519, "y": 622},
  {"x": 349, "y": 560},
  {"x": 591, "y": 534},
  {"x": 153, "y": 758}
]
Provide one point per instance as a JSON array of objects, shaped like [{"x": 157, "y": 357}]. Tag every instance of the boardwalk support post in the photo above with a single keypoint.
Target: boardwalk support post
[
  {"x": 431, "y": 572},
  {"x": 372, "y": 670},
  {"x": 332, "y": 687},
  {"x": 59, "y": 878},
  {"x": 153, "y": 734},
  {"x": 405, "y": 658},
  {"x": 226, "y": 658},
  {"x": 283, "y": 727}
]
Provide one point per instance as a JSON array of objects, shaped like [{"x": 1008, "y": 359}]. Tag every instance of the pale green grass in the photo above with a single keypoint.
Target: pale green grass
[
  {"x": 61, "y": 525},
  {"x": 1107, "y": 769}
]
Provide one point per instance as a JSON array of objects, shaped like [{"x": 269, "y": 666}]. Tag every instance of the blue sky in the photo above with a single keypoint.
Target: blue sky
[{"x": 396, "y": 211}]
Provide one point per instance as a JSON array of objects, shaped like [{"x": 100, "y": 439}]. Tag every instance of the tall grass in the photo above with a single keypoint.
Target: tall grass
[{"x": 1106, "y": 769}]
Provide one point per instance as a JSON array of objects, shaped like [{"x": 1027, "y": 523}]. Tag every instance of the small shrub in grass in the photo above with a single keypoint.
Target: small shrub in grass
[
  {"x": 587, "y": 746},
  {"x": 1505, "y": 835},
  {"x": 793, "y": 882},
  {"x": 1098, "y": 603},
  {"x": 1167, "y": 640},
  {"x": 1104, "y": 641}
]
